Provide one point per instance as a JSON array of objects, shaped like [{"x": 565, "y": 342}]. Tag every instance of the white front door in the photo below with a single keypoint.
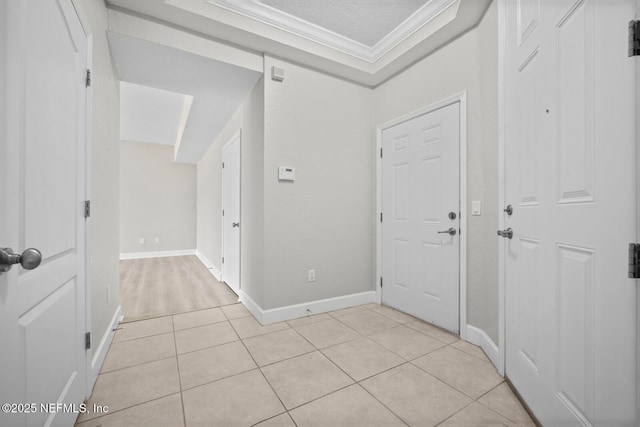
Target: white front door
[
  {"x": 231, "y": 214},
  {"x": 420, "y": 205},
  {"x": 570, "y": 175},
  {"x": 42, "y": 188}
]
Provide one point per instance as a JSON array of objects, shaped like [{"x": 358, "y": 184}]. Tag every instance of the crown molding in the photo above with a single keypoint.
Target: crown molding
[{"x": 260, "y": 12}]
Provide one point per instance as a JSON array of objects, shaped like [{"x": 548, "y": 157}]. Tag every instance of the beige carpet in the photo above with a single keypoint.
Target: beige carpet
[{"x": 154, "y": 287}]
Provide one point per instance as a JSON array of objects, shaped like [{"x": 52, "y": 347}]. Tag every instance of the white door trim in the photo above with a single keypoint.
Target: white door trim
[
  {"x": 460, "y": 98},
  {"x": 637, "y": 60},
  {"x": 91, "y": 374},
  {"x": 501, "y": 199},
  {"x": 236, "y": 136}
]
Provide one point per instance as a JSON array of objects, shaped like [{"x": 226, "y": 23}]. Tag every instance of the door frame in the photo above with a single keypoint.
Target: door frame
[
  {"x": 236, "y": 136},
  {"x": 502, "y": 326},
  {"x": 637, "y": 64},
  {"x": 460, "y": 98},
  {"x": 91, "y": 373}
]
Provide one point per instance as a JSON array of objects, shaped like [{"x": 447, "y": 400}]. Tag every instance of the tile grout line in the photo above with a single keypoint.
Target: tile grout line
[
  {"x": 491, "y": 409},
  {"x": 450, "y": 385},
  {"x": 175, "y": 343},
  {"x": 136, "y": 365},
  {"x": 373, "y": 311},
  {"x": 124, "y": 409},
  {"x": 469, "y": 354},
  {"x": 261, "y": 373},
  {"x": 210, "y": 346},
  {"x": 356, "y": 382},
  {"x": 375, "y": 397},
  {"x": 275, "y": 416},
  {"x": 220, "y": 379},
  {"x": 455, "y": 413}
]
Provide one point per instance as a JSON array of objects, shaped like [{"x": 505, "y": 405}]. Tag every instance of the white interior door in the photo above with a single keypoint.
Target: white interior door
[
  {"x": 420, "y": 204},
  {"x": 42, "y": 311},
  {"x": 231, "y": 214},
  {"x": 570, "y": 174}
]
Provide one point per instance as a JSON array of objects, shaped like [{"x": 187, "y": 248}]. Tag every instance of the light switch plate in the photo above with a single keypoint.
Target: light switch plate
[{"x": 476, "y": 207}]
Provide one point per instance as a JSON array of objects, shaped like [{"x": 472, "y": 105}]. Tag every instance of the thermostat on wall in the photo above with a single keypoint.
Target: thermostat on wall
[{"x": 286, "y": 173}]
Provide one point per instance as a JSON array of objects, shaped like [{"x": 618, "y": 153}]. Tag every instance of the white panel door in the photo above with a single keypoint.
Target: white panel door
[
  {"x": 231, "y": 214},
  {"x": 570, "y": 175},
  {"x": 42, "y": 185},
  {"x": 420, "y": 188}
]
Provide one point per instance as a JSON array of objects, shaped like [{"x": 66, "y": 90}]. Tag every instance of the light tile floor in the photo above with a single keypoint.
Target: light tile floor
[{"x": 368, "y": 365}]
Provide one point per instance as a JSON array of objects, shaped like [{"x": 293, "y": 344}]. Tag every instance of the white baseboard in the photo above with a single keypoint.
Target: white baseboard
[
  {"x": 207, "y": 263},
  {"x": 479, "y": 337},
  {"x": 289, "y": 312},
  {"x": 157, "y": 254},
  {"x": 100, "y": 352}
]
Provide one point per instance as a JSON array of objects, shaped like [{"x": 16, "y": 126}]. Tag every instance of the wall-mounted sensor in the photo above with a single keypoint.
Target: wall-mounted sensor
[
  {"x": 286, "y": 173},
  {"x": 277, "y": 74}
]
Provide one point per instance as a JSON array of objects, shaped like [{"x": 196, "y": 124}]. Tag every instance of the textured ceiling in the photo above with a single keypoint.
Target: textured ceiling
[{"x": 363, "y": 21}]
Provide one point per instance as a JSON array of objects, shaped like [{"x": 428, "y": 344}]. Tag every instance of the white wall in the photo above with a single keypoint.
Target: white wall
[
  {"x": 157, "y": 199},
  {"x": 323, "y": 127},
  {"x": 249, "y": 119},
  {"x": 103, "y": 268},
  {"x": 468, "y": 63}
]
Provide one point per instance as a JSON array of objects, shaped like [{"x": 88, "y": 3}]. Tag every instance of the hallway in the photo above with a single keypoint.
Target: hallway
[
  {"x": 367, "y": 365},
  {"x": 154, "y": 287}
]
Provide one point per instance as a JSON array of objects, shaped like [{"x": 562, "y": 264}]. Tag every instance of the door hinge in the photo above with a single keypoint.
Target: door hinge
[
  {"x": 222, "y": 165},
  {"x": 87, "y": 208},
  {"x": 222, "y": 212},
  {"x": 87, "y": 340},
  {"x": 380, "y": 281},
  {"x": 381, "y": 153},
  {"x": 380, "y": 216},
  {"x": 634, "y": 38},
  {"x": 223, "y": 260},
  {"x": 87, "y": 80},
  {"x": 634, "y": 260}
]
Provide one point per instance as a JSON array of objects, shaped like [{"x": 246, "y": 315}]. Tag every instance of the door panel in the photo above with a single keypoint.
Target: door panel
[
  {"x": 231, "y": 219},
  {"x": 421, "y": 186},
  {"x": 42, "y": 311},
  {"x": 570, "y": 172}
]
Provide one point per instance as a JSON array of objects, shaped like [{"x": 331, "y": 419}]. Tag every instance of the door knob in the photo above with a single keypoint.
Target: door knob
[
  {"x": 235, "y": 224},
  {"x": 452, "y": 231},
  {"x": 508, "y": 233},
  {"x": 509, "y": 210},
  {"x": 29, "y": 259}
]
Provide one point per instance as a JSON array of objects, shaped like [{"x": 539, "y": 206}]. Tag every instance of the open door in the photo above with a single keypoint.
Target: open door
[{"x": 42, "y": 187}]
